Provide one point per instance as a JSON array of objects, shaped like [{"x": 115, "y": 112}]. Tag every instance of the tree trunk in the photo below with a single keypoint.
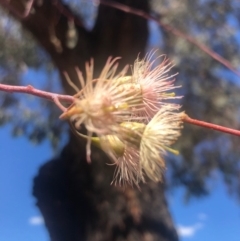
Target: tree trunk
[{"x": 76, "y": 198}]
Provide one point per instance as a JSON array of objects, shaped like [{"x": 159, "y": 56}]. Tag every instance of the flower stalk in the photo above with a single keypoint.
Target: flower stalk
[
  {"x": 208, "y": 125},
  {"x": 129, "y": 117},
  {"x": 69, "y": 99},
  {"x": 36, "y": 92}
]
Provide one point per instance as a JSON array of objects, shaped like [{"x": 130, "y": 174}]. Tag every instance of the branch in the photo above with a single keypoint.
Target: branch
[
  {"x": 172, "y": 30},
  {"x": 187, "y": 119},
  {"x": 56, "y": 98}
]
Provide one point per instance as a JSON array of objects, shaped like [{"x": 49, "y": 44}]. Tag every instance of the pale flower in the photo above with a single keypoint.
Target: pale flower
[
  {"x": 152, "y": 141},
  {"x": 153, "y": 83},
  {"x": 160, "y": 133},
  {"x": 139, "y": 148},
  {"x": 102, "y": 103},
  {"x": 126, "y": 159},
  {"x": 99, "y": 104},
  {"x": 129, "y": 116}
]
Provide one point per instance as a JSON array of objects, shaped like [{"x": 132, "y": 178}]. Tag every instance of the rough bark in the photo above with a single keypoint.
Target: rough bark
[{"x": 76, "y": 198}]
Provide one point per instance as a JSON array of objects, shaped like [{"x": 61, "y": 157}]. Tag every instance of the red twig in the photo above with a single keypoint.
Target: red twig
[
  {"x": 56, "y": 98},
  {"x": 187, "y": 119},
  {"x": 173, "y": 30}
]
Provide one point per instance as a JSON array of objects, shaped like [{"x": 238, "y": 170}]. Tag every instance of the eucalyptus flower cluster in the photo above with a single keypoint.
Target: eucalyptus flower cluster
[{"x": 129, "y": 117}]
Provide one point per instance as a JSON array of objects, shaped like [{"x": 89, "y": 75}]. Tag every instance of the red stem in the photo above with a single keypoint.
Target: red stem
[
  {"x": 56, "y": 98},
  {"x": 40, "y": 93},
  {"x": 187, "y": 119}
]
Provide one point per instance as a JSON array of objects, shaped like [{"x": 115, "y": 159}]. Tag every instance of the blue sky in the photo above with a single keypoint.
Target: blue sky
[
  {"x": 19, "y": 163},
  {"x": 216, "y": 217}
]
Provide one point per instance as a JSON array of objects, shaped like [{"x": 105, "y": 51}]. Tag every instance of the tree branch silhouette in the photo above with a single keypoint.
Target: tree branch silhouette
[{"x": 172, "y": 30}]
